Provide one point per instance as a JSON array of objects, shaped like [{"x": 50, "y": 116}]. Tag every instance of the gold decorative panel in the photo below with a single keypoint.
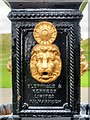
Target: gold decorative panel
[{"x": 45, "y": 63}]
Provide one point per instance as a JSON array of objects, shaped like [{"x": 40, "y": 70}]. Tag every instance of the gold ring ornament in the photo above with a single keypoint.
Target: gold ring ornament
[{"x": 45, "y": 33}]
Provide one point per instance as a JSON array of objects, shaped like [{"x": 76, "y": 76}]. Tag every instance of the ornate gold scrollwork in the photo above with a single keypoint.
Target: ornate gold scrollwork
[
  {"x": 45, "y": 63},
  {"x": 83, "y": 63}
]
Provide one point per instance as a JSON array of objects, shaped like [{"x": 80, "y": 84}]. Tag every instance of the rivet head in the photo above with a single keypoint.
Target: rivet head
[
  {"x": 38, "y": 15},
  {"x": 33, "y": 15},
  {"x": 42, "y": 15},
  {"x": 47, "y": 15},
  {"x": 52, "y": 15},
  {"x": 56, "y": 15}
]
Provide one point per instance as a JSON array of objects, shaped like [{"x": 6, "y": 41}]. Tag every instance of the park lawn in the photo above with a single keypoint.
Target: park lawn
[
  {"x": 6, "y": 81},
  {"x": 5, "y": 76},
  {"x": 85, "y": 81}
]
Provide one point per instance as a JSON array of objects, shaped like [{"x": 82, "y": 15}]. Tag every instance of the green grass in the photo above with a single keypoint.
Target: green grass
[
  {"x": 5, "y": 76},
  {"x": 85, "y": 82},
  {"x": 6, "y": 81}
]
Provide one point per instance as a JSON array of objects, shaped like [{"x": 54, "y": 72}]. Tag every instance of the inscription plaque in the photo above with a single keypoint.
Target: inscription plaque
[{"x": 47, "y": 94}]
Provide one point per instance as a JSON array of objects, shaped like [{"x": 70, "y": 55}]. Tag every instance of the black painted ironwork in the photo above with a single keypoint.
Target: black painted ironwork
[{"x": 27, "y": 101}]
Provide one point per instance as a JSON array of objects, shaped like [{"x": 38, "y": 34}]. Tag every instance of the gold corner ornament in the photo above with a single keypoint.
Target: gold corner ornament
[
  {"x": 83, "y": 62},
  {"x": 45, "y": 33},
  {"x": 45, "y": 62}
]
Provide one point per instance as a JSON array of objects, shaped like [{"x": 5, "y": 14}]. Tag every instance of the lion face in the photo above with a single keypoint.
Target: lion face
[{"x": 45, "y": 63}]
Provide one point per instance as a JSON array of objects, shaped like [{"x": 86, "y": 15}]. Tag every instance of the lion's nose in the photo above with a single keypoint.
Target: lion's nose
[{"x": 44, "y": 65}]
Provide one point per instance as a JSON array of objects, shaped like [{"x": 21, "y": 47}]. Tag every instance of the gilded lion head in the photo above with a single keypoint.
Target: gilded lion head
[{"x": 45, "y": 63}]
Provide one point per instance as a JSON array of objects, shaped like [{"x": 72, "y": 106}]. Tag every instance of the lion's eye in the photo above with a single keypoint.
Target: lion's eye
[
  {"x": 49, "y": 59},
  {"x": 39, "y": 59}
]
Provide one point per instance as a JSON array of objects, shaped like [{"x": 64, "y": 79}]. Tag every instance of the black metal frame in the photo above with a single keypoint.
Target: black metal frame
[{"x": 24, "y": 20}]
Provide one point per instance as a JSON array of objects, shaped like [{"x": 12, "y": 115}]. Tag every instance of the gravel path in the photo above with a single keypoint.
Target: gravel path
[{"x": 5, "y": 95}]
